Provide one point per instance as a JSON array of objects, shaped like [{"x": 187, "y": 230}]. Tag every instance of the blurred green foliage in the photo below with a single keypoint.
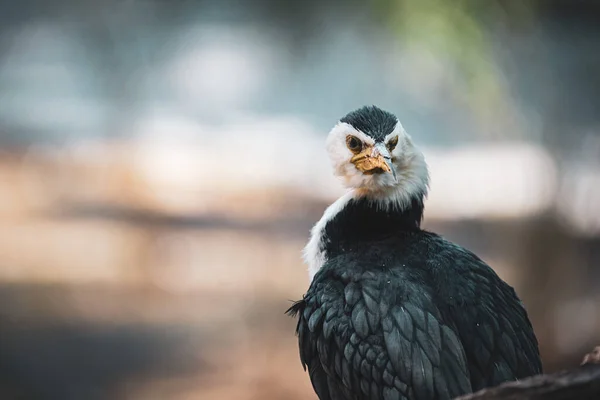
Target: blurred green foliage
[{"x": 457, "y": 33}]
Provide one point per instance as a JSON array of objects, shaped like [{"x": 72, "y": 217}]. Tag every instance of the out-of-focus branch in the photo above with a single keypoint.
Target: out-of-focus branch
[
  {"x": 593, "y": 357},
  {"x": 582, "y": 383}
]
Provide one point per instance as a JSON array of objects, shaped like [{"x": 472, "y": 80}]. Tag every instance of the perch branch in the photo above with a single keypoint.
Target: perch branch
[{"x": 581, "y": 383}]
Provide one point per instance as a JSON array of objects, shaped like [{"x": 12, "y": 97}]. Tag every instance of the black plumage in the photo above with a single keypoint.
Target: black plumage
[
  {"x": 398, "y": 313},
  {"x": 401, "y": 313}
]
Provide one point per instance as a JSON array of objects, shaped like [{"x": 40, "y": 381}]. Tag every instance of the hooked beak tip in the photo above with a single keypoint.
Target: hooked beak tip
[{"x": 390, "y": 165}]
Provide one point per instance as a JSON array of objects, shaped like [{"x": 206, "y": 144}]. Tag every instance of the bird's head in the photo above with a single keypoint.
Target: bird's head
[{"x": 372, "y": 153}]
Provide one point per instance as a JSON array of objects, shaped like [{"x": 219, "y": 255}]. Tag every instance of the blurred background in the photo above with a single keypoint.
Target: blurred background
[{"x": 162, "y": 162}]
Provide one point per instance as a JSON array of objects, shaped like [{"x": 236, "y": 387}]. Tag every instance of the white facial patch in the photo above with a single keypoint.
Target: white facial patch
[
  {"x": 340, "y": 155},
  {"x": 412, "y": 176}
]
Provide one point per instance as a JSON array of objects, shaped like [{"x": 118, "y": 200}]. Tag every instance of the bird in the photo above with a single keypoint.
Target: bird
[{"x": 393, "y": 311}]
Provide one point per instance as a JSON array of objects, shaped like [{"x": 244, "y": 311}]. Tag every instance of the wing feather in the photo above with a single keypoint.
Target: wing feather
[
  {"x": 502, "y": 344},
  {"x": 358, "y": 344}
]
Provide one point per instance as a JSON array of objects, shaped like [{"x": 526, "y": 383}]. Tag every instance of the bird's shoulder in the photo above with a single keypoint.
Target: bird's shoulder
[
  {"x": 424, "y": 257},
  {"x": 487, "y": 313},
  {"x": 429, "y": 272}
]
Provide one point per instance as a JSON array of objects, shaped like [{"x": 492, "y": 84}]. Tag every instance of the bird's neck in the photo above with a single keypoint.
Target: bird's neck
[
  {"x": 363, "y": 220},
  {"x": 357, "y": 219}
]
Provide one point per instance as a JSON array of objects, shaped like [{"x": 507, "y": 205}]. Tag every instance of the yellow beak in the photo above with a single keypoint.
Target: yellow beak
[{"x": 373, "y": 160}]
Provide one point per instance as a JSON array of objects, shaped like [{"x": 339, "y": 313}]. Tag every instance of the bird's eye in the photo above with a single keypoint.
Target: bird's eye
[
  {"x": 354, "y": 144},
  {"x": 391, "y": 144}
]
